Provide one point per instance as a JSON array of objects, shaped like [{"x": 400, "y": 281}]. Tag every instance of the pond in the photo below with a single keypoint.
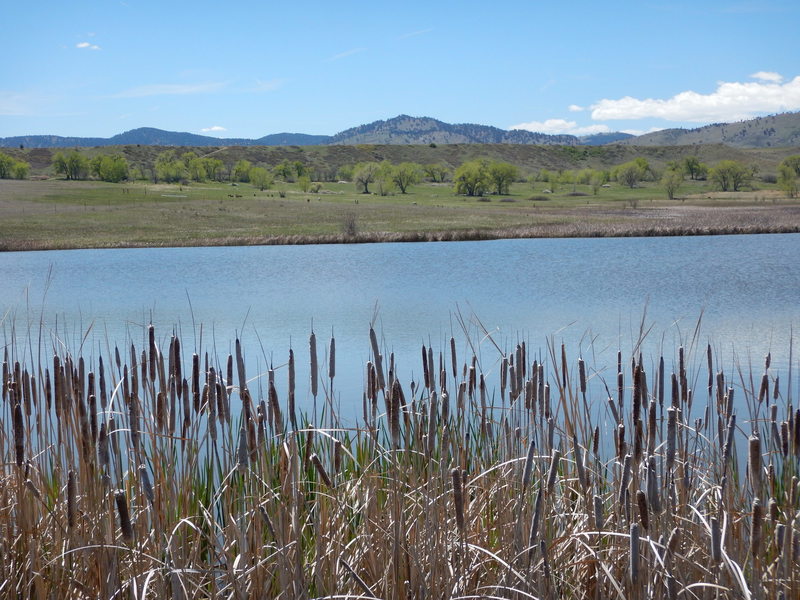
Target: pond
[{"x": 597, "y": 296}]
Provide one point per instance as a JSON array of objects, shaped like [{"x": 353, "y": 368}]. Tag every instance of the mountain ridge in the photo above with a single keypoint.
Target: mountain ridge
[{"x": 782, "y": 130}]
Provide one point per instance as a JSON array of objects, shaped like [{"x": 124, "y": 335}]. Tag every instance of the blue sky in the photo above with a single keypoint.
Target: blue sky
[{"x": 247, "y": 69}]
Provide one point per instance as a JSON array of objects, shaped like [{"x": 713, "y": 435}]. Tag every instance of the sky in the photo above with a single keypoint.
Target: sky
[{"x": 251, "y": 68}]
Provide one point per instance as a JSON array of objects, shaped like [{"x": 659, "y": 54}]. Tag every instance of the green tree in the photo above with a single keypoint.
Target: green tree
[
  {"x": 691, "y": 166},
  {"x": 787, "y": 179},
  {"x": 730, "y": 175},
  {"x": 241, "y": 170},
  {"x": 304, "y": 183},
  {"x": 384, "y": 178},
  {"x": 112, "y": 168},
  {"x": 597, "y": 179},
  {"x": 364, "y": 174},
  {"x": 345, "y": 173},
  {"x": 10, "y": 167},
  {"x": 73, "y": 165},
  {"x": 299, "y": 168},
  {"x": 260, "y": 178},
  {"x": 792, "y": 162},
  {"x": 629, "y": 174},
  {"x": 501, "y": 176},
  {"x": 436, "y": 172},
  {"x": 284, "y": 170},
  {"x": 672, "y": 181},
  {"x": 472, "y": 178},
  {"x": 169, "y": 167},
  {"x": 405, "y": 175}
]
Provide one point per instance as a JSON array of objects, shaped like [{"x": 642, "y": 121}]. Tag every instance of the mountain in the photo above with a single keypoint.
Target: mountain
[
  {"x": 404, "y": 129},
  {"x": 601, "y": 139},
  {"x": 777, "y": 131},
  {"x": 149, "y": 136}
]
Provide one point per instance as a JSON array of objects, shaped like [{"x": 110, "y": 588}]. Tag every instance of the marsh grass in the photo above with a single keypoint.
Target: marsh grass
[{"x": 149, "y": 473}]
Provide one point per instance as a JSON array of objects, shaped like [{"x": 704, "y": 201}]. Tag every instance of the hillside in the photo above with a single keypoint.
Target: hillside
[
  {"x": 776, "y": 131},
  {"x": 404, "y": 129},
  {"x": 324, "y": 161}
]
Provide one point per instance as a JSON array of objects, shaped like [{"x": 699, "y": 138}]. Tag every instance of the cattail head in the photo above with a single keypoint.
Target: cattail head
[
  {"x": 716, "y": 541},
  {"x": 756, "y": 528},
  {"x": 458, "y": 498},
  {"x": 634, "y": 554},
  {"x": 321, "y": 471},
  {"x": 754, "y": 462},
  {"x": 71, "y": 499},
  {"x": 124, "y": 515},
  {"x": 644, "y": 516}
]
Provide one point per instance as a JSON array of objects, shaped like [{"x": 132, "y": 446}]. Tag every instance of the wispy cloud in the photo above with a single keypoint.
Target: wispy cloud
[
  {"x": 731, "y": 101},
  {"x": 213, "y": 129},
  {"x": 411, "y": 34},
  {"x": 561, "y": 126},
  {"x": 15, "y": 104},
  {"x": 575, "y": 108},
  {"x": 171, "y": 89},
  {"x": 344, "y": 54},
  {"x": 269, "y": 85},
  {"x": 87, "y": 46}
]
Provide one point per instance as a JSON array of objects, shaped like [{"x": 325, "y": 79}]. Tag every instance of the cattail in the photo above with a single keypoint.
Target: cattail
[
  {"x": 754, "y": 462},
  {"x": 19, "y": 433},
  {"x": 756, "y": 528},
  {"x": 453, "y": 356},
  {"x": 425, "y": 374},
  {"x": 102, "y": 447},
  {"x": 275, "y": 407},
  {"x": 672, "y": 427},
  {"x": 321, "y": 470},
  {"x": 555, "y": 459},
  {"x": 716, "y": 541},
  {"x": 146, "y": 485},
  {"x": 458, "y": 498},
  {"x": 582, "y": 375},
  {"x": 242, "y": 451},
  {"x": 337, "y": 456},
  {"x": 526, "y": 474},
  {"x": 373, "y": 339},
  {"x": 71, "y": 499},
  {"x": 598, "y": 513},
  {"x": 641, "y": 501},
  {"x": 784, "y": 438},
  {"x": 780, "y": 536},
  {"x": 290, "y": 399},
  {"x": 625, "y": 479},
  {"x": 534, "y": 531},
  {"x": 332, "y": 361},
  {"x": 196, "y": 382},
  {"x": 124, "y": 515},
  {"x": 634, "y": 554},
  {"x": 774, "y": 511}
]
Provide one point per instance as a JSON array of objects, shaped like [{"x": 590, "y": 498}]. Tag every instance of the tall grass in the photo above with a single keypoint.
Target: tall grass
[{"x": 153, "y": 474}]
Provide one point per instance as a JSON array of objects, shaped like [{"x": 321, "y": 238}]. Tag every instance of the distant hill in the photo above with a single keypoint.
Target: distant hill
[
  {"x": 149, "y": 136},
  {"x": 601, "y": 139},
  {"x": 776, "y": 131},
  {"x": 404, "y": 129}
]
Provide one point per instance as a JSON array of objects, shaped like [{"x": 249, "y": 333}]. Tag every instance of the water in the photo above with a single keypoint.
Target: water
[{"x": 595, "y": 295}]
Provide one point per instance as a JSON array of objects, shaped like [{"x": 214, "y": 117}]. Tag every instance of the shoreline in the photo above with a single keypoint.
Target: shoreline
[{"x": 565, "y": 232}]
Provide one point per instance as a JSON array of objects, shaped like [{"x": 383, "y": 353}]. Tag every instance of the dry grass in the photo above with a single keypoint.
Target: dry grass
[{"x": 148, "y": 473}]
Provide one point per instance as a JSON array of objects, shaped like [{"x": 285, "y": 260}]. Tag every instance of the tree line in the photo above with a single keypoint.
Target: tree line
[{"x": 471, "y": 178}]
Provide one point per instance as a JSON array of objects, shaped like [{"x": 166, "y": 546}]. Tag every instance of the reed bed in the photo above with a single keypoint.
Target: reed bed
[{"x": 152, "y": 473}]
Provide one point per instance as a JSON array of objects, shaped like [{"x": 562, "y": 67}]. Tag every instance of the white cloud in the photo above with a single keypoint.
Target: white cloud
[
  {"x": 575, "y": 108},
  {"x": 213, "y": 128},
  {"x": 641, "y": 131},
  {"x": 344, "y": 54},
  {"x": 87, "y": 46},
  {"x": 768, "y": 76},
  {"x": 170, "y": 89},
  {"x": 561, "y": 126},
  {"x": 731, "y": 101}
]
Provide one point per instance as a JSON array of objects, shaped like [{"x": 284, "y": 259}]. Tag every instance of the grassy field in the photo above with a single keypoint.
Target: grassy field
[
  {"x": 153, "y": 473},
  {"x": 73, "y": 214}
]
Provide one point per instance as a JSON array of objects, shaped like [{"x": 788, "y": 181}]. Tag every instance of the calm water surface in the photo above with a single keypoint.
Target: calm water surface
[{"x": 592, "y": 294}]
